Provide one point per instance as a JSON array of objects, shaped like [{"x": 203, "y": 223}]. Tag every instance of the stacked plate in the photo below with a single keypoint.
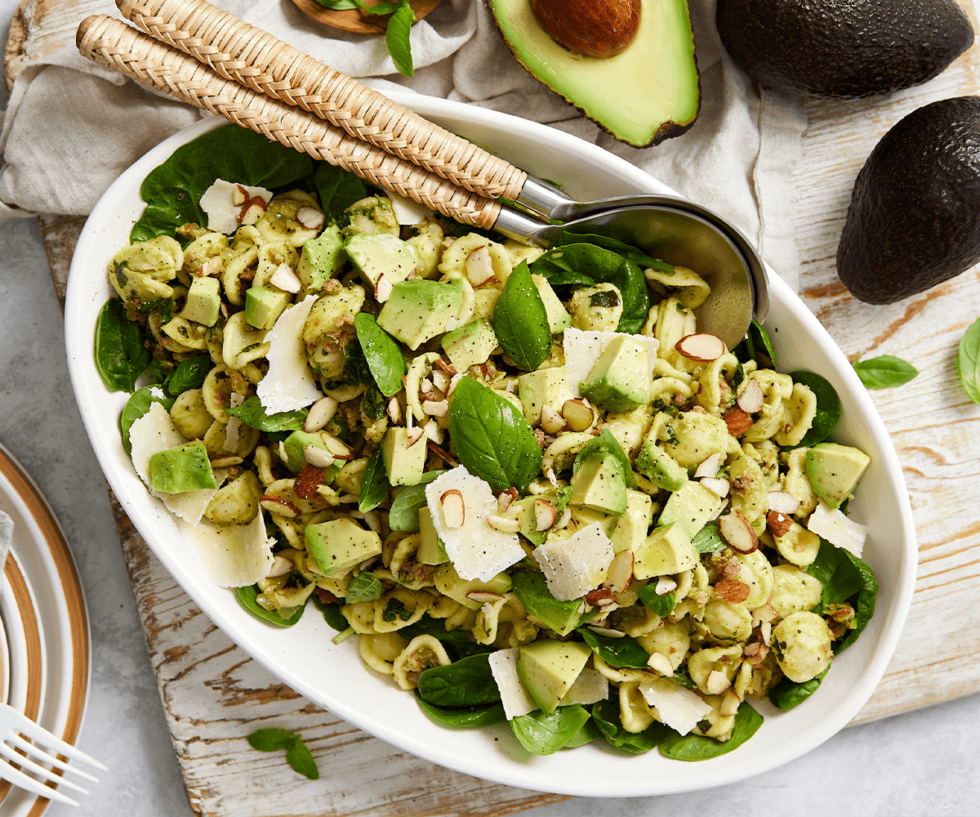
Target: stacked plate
[{"x": 44, "y": 636}]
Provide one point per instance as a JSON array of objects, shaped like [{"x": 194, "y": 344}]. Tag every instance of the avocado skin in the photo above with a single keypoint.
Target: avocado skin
[
  {"x": 914, "y": 218},
  {"x": 843, "y": 49}
]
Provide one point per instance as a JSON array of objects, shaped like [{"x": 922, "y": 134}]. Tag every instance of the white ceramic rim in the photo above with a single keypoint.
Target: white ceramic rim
[{"x": 593, "y": 774}]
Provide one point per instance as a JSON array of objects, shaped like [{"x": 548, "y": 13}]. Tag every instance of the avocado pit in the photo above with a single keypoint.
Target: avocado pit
[{"x": 590, "y": 28}]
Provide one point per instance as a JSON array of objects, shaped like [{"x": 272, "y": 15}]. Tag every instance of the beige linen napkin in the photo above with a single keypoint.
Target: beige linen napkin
[{"x": 71, "y": 128}]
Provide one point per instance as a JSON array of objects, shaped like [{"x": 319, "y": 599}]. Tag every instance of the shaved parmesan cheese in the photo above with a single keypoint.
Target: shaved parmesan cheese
[
  {"x": 831, "y": 524},
  {"x": 503, "y": 666},
  {"x": 583, "y": 349},
  {"x": 222, "y": 203},
  {"x": 407, "y": 211},
  {"x": 289, "y": 383},
  {"x": 679, "y": 708},
  {"x": 476, "y": 550},
  {"x": 574, "y": 566},
  {"x": 155, "y": 432},
  {"x": 590, "y": 687},
  {"x": 233, "y": 555}
]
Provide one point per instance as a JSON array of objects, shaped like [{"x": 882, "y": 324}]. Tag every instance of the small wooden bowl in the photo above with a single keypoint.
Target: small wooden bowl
[{"x": 355, "y": 20}]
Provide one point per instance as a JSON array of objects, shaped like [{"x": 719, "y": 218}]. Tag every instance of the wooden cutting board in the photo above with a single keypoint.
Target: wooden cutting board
[{"x": 214, "y": 695}]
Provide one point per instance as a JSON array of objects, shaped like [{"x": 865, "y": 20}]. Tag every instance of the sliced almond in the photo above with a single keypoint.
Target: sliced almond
[
  {"x": 717, "y": 485},
  {"x": 211, "y": 267},
  {"x": 738, "y": 421},
  {"x": 563, "y": 520},
  {"x": 226, "y": 461},
  {"x": 479, "y": 266},
  {"x": 434, "y": 432},
  {"x": 280, "y": 567},
  {"x": 701, "y": 347},
  {"x": 733, "y": 591},
  {"x": 716, "y": 683},
  {"x": 445, "y": 367},
  {"x": 373, "y": 520},
  {"x": 503, "y": 524},
  {"x": 436, "y": 408},
  {"x": 665, "y": 585},
  {"x": 709, "y": 466},
  {"x": 578, "y": 414},
  {"x": 751, "y": 399},
  {"x": 320, "y": 413},
  {"x": 782, "y": 501},
  {"x": 278, "y": 505},
  {"x": 483, "y": 596},
  {"x": 661, "y": 663},
  {"x": 729, "y": 705},
  {"x": 414, "y": 434},
  {"x": 600, "y": 597},
  {"x": 383, "y": 289},
  {"x": 778, "y": 523},
  {"x": 441, "y": 453},
  {"x": 239, "y": 195},
  {"x": 453, "y": 508},
  {"x": 286, "y": 279},
  {"x": 425, "y": 387},
  {"x": 607, "y": 631},
  {"x": 318, "y": 457},
  {"x": 440, "y": 380},
  {"x": 337, "y": 448},
  {"x": 394, "y": 411},
  {"x": 311, "y": 218},
  {"x": 764, "y": 613},
  {"x": 252, "y": 211},
  {"x": 505, "y": 498},
  {"x": 619, "y": 576},
  {"x": 765, "y": 632},
  {"x": 308, "y": 482},
  {"x": 737, "y": 532},
  {"x": 551, "y": 421},
  {"x": 545, "y": 515}
]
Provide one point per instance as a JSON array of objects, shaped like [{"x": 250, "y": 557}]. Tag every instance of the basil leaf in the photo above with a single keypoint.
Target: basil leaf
[
  {"x": 458, "y": 643},
  {"x": 138, "y": 405},
  {"x": 121, "y": 354},
  {"x": 708, "y": 539},
  {"x": 606, "y": 715},
  {"x": 586, "y": 734},
  {"x": 845, "y": 578},
  {"x": 384, "y": 358},
  {"x": 252, "y": 413},
  {"x": 337, "y": 189},
  {"x": 331, "y": 613},
  {"x": 270, "y": 740},
  {"x": 757, "y": 346},
  {"x": 696, "y": 747},
  {"x": 787, "y": 695},
  {"x": 398, "y": 38},
  {"x": 492, "y": 438},
  {"x": 661, "y": 605},
  {"x": 543, "y": 734},
  {"x": 364, "y": 587},
  {"x": 470, "y": 717},
  {"x": 189, "y": 374},
  {"x": 619, "y": 651},
  {"x": 286, "y": 617},
  {"x": 300, "y": 759},
  {"x": 467, "y": 682},
  {"x": 520, "y": 320},
  {"x": 605, "y": 443},
  {"x": 374, "y": 484},
  {"x": 341, "y": 5},
  {"x": 968, "y": 362},
  {"x": 627, "y": 251},
  {"x": 828, "y": 408},
  {"x": 884, "y": 372},
  {"x": 172, "y": 191},
  {"x": 404, "y": 512}
]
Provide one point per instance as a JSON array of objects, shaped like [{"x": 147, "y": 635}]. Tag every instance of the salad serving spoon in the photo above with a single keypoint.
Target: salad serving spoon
[{"x": 211, "y": 59}]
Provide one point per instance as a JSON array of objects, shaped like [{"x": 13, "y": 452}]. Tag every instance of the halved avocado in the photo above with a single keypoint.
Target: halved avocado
[{"x": 648, "y": 93}]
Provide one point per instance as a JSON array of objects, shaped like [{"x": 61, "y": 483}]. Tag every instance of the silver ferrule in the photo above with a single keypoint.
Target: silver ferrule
[{"x": 540, "y": 197}]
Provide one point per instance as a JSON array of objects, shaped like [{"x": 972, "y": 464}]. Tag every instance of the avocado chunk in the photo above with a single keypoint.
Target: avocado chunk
[
  {"x": 449, "y": 583},
  {"x": 692, "y": 507},
  {"x": 264, "y": 305},
  {"x": 619, "y": 380},
  {"x": 559, "y": 318},
  {"x": 660, "y": 468},
  {"x": 417, "y": 311},
  {"x": 600, "y": 485},
  {"x": 834, "y": 470},
  {"x": 842, "y": 49},
  {"x": 623, "y": 94},
  {"x": 431, "y": 550},
  {"x": 665, "y": 552},
  {"x": 470, "y": 345},
  {"x": 184, "y": 468},
  {"x": 322, "y": 259},
  {"x": 891, "y": 249},
  {"x": 404, "y": 461},
  {"x": 633, "y": 526},
  {"x": 203, "y": 304},
  {"x": 381, "y": 254},
  {"x": 548, "y": 669},
  {"x": 531, "y": 588},
  {"x": 544, "y": 387},
  {"x": 339, "y": 544}
]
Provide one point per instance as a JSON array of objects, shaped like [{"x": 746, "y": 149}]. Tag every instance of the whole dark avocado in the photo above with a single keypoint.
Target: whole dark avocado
[
  {"x": 914, "y": 219},
  {"x": 843, "y": 49}
]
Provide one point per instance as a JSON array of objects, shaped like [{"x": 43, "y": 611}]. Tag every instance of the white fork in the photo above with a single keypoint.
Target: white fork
[{"x": 13, "y": 725}]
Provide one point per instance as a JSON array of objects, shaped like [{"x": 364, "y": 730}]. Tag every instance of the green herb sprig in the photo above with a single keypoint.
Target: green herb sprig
[
  {"x": 884, "y": 372},
  {"x": 968, "y": 362},
  {"x": 398, "y": 32},
  {"x": 298, "y": 756}
]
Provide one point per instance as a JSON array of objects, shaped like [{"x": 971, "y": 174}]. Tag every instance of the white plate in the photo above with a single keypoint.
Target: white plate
[
  {"x": 45, "y": 621},
  {"x": 334, "y": 677}
]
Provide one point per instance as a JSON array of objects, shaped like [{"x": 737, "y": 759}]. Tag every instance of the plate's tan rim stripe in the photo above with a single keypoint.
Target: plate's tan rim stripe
[{"x": 74, "y": 599}]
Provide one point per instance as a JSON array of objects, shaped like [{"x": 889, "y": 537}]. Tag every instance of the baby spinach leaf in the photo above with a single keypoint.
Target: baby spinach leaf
[
  {"x": 586, "y": 734},
  {"x": 543, "y": 734},
  {"x": 404, "y": 512},
  {"x": 364, "y": 587},
  {"x": 757, "y": 346},
  {"x": 531, "y": 588},
  {"x": 337, "y": 189},
  {"x": 137, "y": 406},
  {"x": 828, "y": 408},
  {"x": 398, "y": 38},
  {"x": 521, "y": 321},
  {"x": 384, "y": 358},
  {"x": 661, "y": 605},
  {"x": 331, "y": 613},
  {"x": 298, "y": 756},
  {"x": 189, "y": 374},
  {"x": 968, "y": 362},
  {"x": 467, "y": 682},
  {"x": 619, "y": 651},
  {"x": 287, "y": 617},
  {"x": 708, "y": 539},
  {"x": 172, "y": 191},
  {"x": 606, "y": 715},
  {"x": 458, "y": 642},
  {"x": 605, "y": 443},
  {"x": 884, "y": 372},
  {"x": 374, "y": 484},
  {"x": 845, "y": 578},
  {"x": 253, "y": 414},
  {"x": 696, "y": 747},
  {"x": 492, "y": 438},
  {"x": 467, "y": 717},
  {"x": 788, "y": 695},
  {"x": 121, "y": 354},
  {"x": 627, "y": 251}
]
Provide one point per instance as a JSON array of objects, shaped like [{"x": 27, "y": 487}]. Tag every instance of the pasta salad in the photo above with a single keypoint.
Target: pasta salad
[{"x": 521, "y": 479}]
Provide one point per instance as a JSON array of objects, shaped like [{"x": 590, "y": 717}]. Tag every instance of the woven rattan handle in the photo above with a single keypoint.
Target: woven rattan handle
[
  {"x": 115, "y": 45},
  {"x": 253, "y": 57}
]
